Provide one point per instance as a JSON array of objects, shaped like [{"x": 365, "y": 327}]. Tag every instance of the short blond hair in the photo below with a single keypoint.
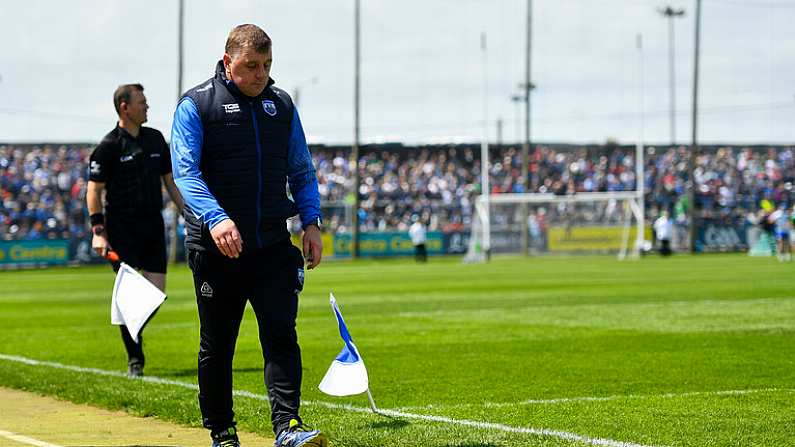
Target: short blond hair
[{"x": 247, "y": 36}]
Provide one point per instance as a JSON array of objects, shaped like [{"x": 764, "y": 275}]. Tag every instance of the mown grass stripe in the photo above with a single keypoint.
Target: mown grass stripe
[
  {"x": 566, "y": 400},
  {"x": 573, "y": 437}
]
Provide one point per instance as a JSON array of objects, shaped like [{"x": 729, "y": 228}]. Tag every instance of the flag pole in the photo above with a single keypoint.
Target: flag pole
[{"x": 372, "y": 402}]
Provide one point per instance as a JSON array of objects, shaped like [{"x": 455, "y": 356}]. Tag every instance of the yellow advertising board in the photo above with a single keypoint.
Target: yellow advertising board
[
  {"x": 605, "y": 239},
  {"x": 37, "y": 252}
]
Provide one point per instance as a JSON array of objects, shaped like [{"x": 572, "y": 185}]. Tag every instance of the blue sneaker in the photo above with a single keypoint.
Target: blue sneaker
[
  {"x": 226, "y": 438},
  {"x": 297, "y": 435}
]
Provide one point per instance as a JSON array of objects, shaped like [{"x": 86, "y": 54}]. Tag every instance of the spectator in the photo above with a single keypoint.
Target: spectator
[
  {"x": 663, "y": 228},
  {"x": 418, "y": 237}
]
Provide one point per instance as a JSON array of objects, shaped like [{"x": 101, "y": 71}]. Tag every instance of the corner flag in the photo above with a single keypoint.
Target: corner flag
[
  {"x": 347, "y": 375},
  {"x": 135, "y": 299}
]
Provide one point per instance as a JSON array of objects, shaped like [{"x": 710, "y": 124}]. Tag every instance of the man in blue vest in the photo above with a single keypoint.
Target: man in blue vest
[{"x": 236, "y": 143}]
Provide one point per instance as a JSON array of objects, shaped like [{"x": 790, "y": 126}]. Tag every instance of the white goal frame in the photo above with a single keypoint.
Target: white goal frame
[{"x": 480, "y": 238}]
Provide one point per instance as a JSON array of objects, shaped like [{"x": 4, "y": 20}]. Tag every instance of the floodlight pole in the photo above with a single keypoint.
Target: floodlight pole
[
  {"x": 694, "y": 145},
  {"x": 516, "y": 100},
  {"x": 639, "y": 151},
  {"x": 172, "y": 256},
  {"x": 526, "y": 146},
  {"x": 297, "y": 90},
  {"x": 180, "y": 46},
  {"x": 355, "y": 147},
  {"x": 671, "y": 13},
  {"x": 485, "y": 189}
]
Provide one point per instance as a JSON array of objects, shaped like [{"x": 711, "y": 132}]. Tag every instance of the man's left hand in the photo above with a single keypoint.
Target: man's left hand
[{"x": 313, "y": 246}]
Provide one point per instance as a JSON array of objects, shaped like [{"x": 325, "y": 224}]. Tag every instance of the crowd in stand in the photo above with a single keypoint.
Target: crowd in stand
[
  {"x": 439, "y": 183},
  {"x": 42, "y": 187},
  {"x": 42, "y": 191},
  {"x": 435, "y": 183}
]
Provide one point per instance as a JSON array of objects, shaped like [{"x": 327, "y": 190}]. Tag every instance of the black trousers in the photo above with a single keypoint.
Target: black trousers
[
  {"x": 665, "y": 247},
  {"x": 270, "y": 280},
  {"x": 420, "y": 253}
]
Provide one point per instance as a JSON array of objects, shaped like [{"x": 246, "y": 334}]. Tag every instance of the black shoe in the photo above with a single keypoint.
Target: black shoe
[
  {"x": 135, "y": 370},
  {"x": 226, "y": 438}
]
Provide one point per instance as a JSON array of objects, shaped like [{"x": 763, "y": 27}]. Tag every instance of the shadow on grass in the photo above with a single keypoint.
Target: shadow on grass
[
  {"x": 472, "y": 444},
  {"x": 390, "y": 423},
  {"x": 181, "y": 373},
  {"x": 192, "y": 372},
  {"x": 394, "y": 423}
]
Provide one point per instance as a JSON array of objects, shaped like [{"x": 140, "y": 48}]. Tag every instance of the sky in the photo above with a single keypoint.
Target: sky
[{"x": 424, "y": 75}]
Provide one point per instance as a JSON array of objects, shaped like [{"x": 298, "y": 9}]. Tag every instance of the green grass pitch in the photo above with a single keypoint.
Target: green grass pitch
[{"x": 561, "y": 351}]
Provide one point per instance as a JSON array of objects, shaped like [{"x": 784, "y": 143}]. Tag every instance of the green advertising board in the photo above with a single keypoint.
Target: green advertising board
[
  {"x": 387, "y": 244},
  {"x": 13, "y": 253}
]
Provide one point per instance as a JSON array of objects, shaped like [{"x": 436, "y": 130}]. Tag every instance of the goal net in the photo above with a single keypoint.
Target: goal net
[{"x": 610, "y": 222}]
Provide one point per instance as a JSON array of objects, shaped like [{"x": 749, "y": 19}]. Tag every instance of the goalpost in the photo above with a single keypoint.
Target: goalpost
[
  {"x": 581, "y": 222},
  {"x": 599, "y": 222}
]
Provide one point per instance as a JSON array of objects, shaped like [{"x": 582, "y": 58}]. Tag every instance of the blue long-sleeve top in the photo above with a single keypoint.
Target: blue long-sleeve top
[{"x": 187, "y": 137}]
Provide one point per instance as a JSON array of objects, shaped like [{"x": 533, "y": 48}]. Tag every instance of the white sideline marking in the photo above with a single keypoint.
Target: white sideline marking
[
  {"x": 642, "y": 396},
  {"x": 25, "y": 440},
  {"x": 476, "y": 424},
  {"x": 431, "y": 418},
  {"x": 565, "y": 400}
]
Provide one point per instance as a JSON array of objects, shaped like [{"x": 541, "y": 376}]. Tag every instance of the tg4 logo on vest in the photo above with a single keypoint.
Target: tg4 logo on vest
[{"x": 231, "y": 108}]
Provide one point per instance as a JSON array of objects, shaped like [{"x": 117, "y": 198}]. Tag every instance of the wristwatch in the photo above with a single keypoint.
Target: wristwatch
[
  {"x": 98, "y": 229},
  {"x": 317, "y": 222}
]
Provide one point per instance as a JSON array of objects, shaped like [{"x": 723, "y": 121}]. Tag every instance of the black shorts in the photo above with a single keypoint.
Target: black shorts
[{"x": 140, "y": 243}]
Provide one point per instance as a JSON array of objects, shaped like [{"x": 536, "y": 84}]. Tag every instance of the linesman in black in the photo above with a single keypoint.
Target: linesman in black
[{"x": 128, "y": 165}]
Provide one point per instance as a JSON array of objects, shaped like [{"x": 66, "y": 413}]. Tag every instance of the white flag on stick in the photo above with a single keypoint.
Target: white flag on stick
[
  {"x": 135, "y": 299},
  {"x": 347, "y": 375}
]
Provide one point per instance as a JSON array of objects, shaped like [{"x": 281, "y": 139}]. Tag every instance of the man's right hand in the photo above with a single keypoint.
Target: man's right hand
[
  {"x": 100, "y": 244},
  {"x": 227, "y": 238}
]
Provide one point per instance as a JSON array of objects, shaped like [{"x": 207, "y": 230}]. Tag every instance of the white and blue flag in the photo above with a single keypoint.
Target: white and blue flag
[{"x": 347, "y": 375}]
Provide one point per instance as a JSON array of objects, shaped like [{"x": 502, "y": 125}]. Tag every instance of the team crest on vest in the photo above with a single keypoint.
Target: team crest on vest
[{"x": 269, "y": 107}]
